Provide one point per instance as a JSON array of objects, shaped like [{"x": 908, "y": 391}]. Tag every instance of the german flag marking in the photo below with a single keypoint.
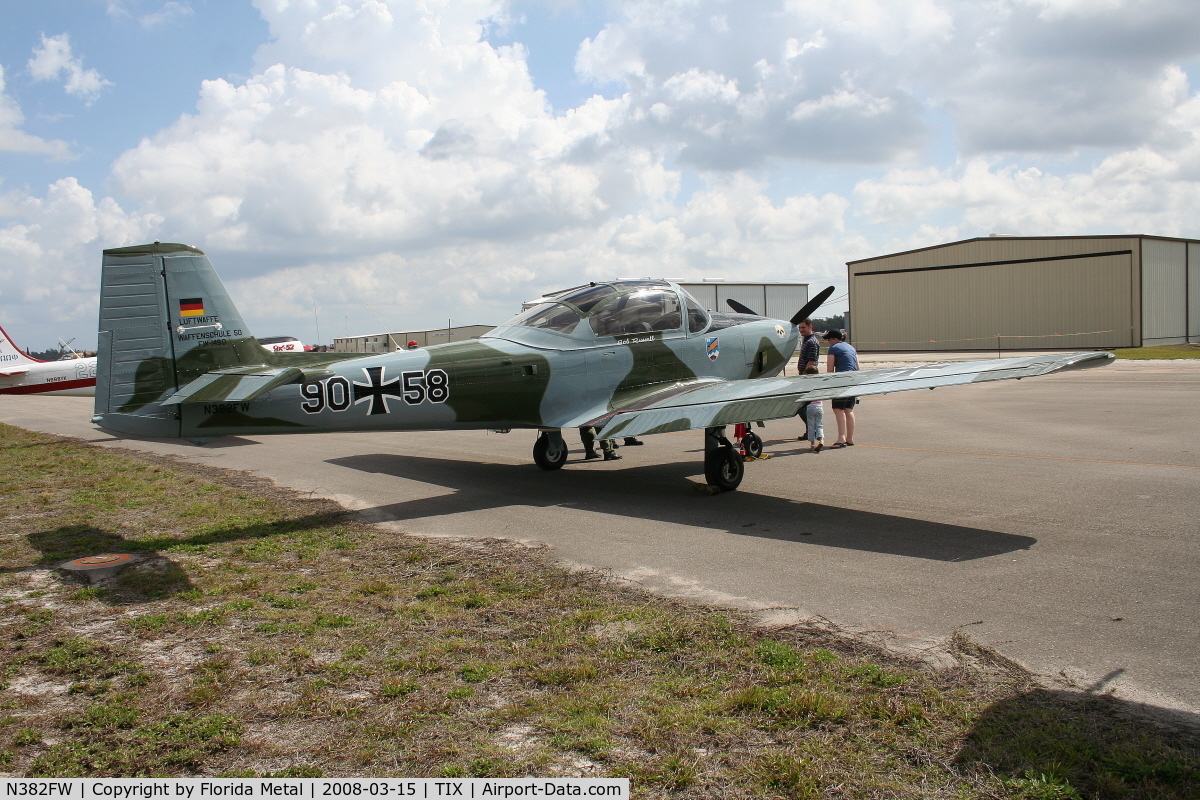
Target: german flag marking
[{"x": 192, "y": 307}]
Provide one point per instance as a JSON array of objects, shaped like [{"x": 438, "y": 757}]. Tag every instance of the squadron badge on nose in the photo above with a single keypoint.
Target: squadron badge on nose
[
  {"x": 713, "y": 346},
  {"x": 780, "y": 332}
]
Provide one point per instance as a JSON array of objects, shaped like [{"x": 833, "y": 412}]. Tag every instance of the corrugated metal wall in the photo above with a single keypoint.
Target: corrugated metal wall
[
  {"x": 1193, "y": 280},
  {"x": 964, "y": 307},
  {"x": 754, "y": 296},
  {"x": 1164, "y": 292},
  {"x": 784, "y": 301},
  {"x": 1000, "y": 248},
  {"x": 705, "y": 293},
  {"x": 776, "y": 300}
]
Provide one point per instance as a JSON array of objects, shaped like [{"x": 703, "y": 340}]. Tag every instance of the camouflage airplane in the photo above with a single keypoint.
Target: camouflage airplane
[{"x": 626, "y": 357}]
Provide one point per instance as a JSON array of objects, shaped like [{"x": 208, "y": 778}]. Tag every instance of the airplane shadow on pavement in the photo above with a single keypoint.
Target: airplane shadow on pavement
[{"x": 660, "y": 492}]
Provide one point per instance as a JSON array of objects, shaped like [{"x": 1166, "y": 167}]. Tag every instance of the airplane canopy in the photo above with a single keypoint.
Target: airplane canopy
[{"x": 613, "y": 308}]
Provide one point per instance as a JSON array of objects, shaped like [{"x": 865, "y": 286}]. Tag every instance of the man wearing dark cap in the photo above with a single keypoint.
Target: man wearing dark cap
[{"x": 842, "y": 358}]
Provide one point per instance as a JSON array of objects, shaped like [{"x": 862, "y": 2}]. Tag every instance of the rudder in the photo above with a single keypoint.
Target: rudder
[
  {"x": 13, "y": 356},
  {"x": 165, "y": 319}
]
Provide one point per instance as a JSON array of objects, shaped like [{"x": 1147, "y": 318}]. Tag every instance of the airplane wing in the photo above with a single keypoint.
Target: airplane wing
[
  {"x": 704, "y": 404},
  {"x": 238, "y": 384}
]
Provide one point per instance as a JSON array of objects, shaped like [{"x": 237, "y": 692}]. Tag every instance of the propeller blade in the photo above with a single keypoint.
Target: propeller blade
[
  {"x": 812, "y": 305},
  {"x": 738, "y": 307}
]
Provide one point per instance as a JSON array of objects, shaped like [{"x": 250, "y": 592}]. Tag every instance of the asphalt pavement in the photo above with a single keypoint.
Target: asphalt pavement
[{"x": 1055, "y": 519}]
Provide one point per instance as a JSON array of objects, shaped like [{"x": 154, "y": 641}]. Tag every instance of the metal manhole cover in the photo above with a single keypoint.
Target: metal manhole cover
[
  {"x": 99, "y": 567},
  {"x": 103, "y": 560}
]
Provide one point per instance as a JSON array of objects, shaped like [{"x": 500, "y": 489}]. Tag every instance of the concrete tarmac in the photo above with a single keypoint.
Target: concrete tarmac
[{"x": 1055, "y": 519}]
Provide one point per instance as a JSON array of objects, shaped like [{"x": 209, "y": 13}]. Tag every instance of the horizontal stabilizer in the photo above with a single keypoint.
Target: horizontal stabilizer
[
  {"x": 10, "y": 371},
  {"x": 235, "y": 385}
]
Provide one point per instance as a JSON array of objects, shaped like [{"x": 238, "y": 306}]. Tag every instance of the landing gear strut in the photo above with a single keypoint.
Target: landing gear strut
[
  {"x": 723, "y": 465},
  {"x": 550, "y": 451}
]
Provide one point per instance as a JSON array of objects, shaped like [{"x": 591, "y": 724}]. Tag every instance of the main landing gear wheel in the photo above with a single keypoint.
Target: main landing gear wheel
[
  {"x": 723, "y": 467},
  {"x": 550, "y": 451},
  {"x": 753, "y": 444}
]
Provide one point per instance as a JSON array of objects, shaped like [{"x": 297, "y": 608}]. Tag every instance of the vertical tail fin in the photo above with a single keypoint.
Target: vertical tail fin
[
  {"x": 13, "y": 356},
  {"x": 165, "y": 319}
]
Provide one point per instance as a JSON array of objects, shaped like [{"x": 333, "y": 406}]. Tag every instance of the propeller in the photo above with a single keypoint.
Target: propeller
[
  {"x": 739, "y": 308},
  {"x": 811, "y": 305}
]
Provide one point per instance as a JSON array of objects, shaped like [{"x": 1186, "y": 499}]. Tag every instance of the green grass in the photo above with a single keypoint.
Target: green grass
[
  {"x": 265, "y": 633},
  {"x": 1159, "y": 351}
]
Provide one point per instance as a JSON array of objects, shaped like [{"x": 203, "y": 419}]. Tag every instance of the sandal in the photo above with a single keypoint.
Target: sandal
[{"x": 838, "y": 445}]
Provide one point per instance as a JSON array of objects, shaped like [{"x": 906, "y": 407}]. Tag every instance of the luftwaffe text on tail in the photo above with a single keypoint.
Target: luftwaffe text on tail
[
  {"x": 627, "y": 357},
  {"x": 23, "y": 374}
]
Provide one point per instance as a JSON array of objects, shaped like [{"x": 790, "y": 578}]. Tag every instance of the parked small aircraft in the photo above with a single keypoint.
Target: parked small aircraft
[
  {"x": 20, "y": 373},
  {"x": 627, "y": 357},
  {"x": 282, "y": 344}
]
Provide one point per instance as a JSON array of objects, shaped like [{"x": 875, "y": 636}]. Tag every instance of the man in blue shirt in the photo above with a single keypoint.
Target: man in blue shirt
[{"x": 842, "y": 358}]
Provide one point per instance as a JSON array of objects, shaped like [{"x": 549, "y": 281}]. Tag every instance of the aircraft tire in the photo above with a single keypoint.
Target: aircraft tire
[
  {"x": 723, "y": 468},
  {"x": 550, "y": 452},
  {"x": 754, "y": 445}
]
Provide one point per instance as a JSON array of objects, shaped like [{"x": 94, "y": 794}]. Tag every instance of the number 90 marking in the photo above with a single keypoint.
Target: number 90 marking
[{"x": 414, "y": 386}]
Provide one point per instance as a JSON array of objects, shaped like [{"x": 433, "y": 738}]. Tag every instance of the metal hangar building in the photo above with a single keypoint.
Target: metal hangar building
[
  {"x": 777, "y": 299},
  {"x": 1029, "y": 293}
]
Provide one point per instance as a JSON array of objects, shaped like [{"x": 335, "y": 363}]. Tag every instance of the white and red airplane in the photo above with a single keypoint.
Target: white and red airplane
[{"x": 21, "y": 374}]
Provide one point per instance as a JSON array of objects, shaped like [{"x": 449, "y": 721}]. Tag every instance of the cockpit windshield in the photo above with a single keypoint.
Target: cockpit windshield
[
  {"x": 548, "y": 317},
  {"x": 612, "y": 309},
  {"x": 586, "y": 298}
]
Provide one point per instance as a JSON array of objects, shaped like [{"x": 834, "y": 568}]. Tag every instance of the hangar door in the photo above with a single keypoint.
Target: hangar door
[{"x": 964, "y": 307}]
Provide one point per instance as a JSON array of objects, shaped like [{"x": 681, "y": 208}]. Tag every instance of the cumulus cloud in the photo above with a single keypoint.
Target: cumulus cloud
[
  {"x": 1054, "y": 76},
  {"x": 49, "y": 256},
  {"x": 170, "y": 13},
  {"x": 736, "y": 86},
  {"x": 15, "y": 140},
  {"x": 387, "y": 125},
  {"x": 856, "y": 82},
  {"x": 727, "y": 229},
  {"x": 53, "y": 60},
  {"x": 1154, "y": 188}
]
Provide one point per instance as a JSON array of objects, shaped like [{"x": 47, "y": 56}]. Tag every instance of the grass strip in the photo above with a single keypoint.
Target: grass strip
[
  {"x": 1159, "y": 352},
  {"x": 265, "y": 633}
]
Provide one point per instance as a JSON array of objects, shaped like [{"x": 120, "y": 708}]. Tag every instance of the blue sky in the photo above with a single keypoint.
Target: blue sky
[
  {"x": 398, "y": 163},
  {"x": 155, "y": 70}
]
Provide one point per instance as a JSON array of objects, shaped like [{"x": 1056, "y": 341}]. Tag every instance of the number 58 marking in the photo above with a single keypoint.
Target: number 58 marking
[
  {"x": 337, "y": 393},
  {"x": 435, "y": 388}
]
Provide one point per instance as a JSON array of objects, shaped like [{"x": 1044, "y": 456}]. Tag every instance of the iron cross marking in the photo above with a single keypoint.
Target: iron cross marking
[{"x": 376, "y": 390}]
